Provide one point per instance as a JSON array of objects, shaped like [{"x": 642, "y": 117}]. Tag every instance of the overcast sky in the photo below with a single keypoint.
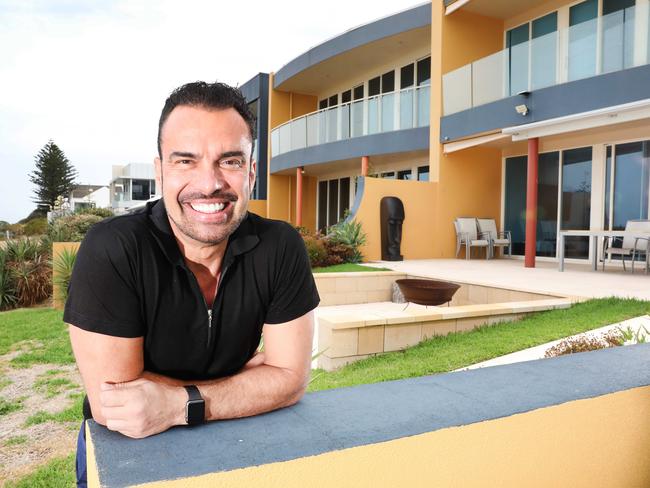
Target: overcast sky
[{"x": 92, "y": 75}]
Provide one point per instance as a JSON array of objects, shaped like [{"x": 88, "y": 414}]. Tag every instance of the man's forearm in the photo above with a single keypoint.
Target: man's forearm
[{"x": 252, "y": 391}]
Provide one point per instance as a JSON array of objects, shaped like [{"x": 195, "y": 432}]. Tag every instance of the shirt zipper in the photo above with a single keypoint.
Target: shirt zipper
[{"x": 223, "y": 274}]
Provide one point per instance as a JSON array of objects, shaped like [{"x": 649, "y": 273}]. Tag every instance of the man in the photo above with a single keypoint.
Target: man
[{"x": 166, "y": 307}]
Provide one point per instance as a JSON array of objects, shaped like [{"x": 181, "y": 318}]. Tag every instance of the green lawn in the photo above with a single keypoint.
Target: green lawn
[
  {"x": 447, "y": 353},
  {"x": 41, "y": 333},
  {"x": 347, "y": 268},
  {"x": 437, "y": 355}
]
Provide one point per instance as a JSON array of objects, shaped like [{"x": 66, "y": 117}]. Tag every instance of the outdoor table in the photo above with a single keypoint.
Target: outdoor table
[{"x": 594, "y": 234}]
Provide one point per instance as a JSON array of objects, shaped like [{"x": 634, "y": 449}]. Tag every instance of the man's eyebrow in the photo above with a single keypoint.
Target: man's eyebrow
[
  {"x": 230, "y": 154},
  {"x": 182, "y": 154}
]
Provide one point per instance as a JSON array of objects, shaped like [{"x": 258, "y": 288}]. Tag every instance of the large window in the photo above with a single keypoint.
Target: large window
[
  {"x": 583, "y": 39},
  {"x": 515, "y": 203},
  {"x": 532, "y": 46},
  {"x": 333, "y": 201},
  {"x": 627, "y": 184},
  {"x": 576, "y": 199}
]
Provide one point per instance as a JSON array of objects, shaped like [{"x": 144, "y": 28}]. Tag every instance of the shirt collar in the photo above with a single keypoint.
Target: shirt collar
[{"x": 244, "y": 239}]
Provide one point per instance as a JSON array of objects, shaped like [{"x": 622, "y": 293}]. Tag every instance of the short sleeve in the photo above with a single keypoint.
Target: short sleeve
[
  {"x": 102, "y": 295},
  {"x": 294, "y": 289}
]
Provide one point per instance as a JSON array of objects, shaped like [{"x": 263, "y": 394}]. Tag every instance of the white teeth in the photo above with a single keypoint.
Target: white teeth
[{"x": 208, "y": 207}]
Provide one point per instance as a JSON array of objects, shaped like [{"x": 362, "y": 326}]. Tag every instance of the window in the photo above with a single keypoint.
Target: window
[
  {"x": 322, "y": 104},
  {"x": 389, "y": 175},
  {"x": 140, "y": 190},
  {"x": 423, "y": 173},
  {"x": 374, "y": 86},
  {"x": 424, "y": 71},
  {"x": 582, "y": 39},
  {"x": 333, "y": 201},
  {"x": 406, "y": 174},
  {"x": 407, "y": 76},
  {"x": 346, "y": 96},
  {"x": 627, "y": 186},
  {"x": 356, "y": 113},
  {"x": 576, "y": 199}
]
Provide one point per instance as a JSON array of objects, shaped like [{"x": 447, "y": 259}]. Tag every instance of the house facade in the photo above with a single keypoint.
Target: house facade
[{"x": 445, "y": 104}]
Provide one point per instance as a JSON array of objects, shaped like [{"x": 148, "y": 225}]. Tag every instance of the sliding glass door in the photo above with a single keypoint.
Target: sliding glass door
[
  {"x": 515, "y": 203},
  {"x": 576, "y": 199},
  {"x": 627, "y": 184}
]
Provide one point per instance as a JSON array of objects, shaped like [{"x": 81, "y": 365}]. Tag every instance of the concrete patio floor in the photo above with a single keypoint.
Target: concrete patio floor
[{"x": 576, "y": 280}]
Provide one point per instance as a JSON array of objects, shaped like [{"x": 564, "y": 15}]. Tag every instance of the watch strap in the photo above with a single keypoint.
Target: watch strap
[
  {"x": 193, "y": 392},
  {"x": 195, "y": 406}
]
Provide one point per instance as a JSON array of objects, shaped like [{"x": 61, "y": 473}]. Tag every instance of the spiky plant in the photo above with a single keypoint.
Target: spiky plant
[
  {"x": 7, "y": 288},
  {"x": 62, "y": 265}
]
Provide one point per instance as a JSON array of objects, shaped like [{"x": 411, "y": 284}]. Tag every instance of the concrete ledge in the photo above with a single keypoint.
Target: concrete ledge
[
  {"x": 573, "y": 421},
  {"x": 347, "y": 335}
]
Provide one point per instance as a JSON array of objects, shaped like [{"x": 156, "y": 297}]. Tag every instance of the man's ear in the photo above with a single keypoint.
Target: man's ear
[
  {"x": 252, "y": 175},
  {"x": 157, "y": 164}
]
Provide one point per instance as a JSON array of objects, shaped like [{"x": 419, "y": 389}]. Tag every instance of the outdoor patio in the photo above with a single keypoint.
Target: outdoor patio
[{"x": 576, "y": 280}]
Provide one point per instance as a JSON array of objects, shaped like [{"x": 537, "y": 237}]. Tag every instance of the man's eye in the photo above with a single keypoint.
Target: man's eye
[
  {"x": 184, "y": 161},
  {"x": 232, "y": 163}
]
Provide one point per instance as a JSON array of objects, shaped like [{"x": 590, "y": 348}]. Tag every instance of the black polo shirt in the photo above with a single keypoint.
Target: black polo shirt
[{"x": 130, "y": 280}]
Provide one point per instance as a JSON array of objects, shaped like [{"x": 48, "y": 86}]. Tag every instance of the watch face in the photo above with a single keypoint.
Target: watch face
[{"x": 195, "y": 413}]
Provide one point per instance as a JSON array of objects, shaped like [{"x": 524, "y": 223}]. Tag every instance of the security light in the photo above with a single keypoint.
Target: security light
[{"x": 522, "y": 109}]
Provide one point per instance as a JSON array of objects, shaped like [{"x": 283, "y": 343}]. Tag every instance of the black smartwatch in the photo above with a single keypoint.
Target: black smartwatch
[{"x": 195, "y": 406}]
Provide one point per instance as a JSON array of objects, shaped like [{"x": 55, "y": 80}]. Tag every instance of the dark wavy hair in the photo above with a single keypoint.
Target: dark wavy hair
[{"x": 216, "y": 96}]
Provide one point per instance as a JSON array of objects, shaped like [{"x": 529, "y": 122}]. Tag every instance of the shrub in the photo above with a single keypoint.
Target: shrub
[
  {"x": 22, "y": 250},
  {"x": 35, "y": 227},
  {"x": 584, "y": 343},
  {"x": 62, "y": 265},
  {"x": 72, "y": 228},
  {"x": 15, "y": 230},
  {"x": 7, "y": 288},
  {"x": 316, "y": 251},
  {"x": 349, "y": 233},
  {"x": 32, "y": 281},
  {"x": 99, "y": 212}
]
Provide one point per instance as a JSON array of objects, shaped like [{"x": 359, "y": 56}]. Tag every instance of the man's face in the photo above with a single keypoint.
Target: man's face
[{"x": 206, "y": 173}]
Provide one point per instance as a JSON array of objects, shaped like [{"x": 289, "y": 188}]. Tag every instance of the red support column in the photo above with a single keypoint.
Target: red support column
[
  {"x": 364, "y": 165},
  {"x": 299, "y": 196},
  {"x": 531, "y": 202}
]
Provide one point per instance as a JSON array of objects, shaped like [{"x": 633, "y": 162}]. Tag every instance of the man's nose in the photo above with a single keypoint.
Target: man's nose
[{"x": 210, "y": 178}]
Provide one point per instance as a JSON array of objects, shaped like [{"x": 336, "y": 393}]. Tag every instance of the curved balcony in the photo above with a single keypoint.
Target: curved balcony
[{"x": 386, "y": 113}]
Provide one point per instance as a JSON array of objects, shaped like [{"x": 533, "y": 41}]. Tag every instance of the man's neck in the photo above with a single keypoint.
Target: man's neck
[{"x": 200, "y": 254}]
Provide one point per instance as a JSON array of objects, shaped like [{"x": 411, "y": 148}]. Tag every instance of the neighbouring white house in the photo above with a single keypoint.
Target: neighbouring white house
[
  {"x": 89, "y": 196},
  {"x": 132, "y": 185}
]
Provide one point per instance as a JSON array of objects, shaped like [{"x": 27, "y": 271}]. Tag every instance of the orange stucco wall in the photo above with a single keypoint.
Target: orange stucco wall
[
  {"x": 309, "y": 185},
  {"x": 470, "y": 186},
  {"x": 418, "y": 229},
  {"x": 258, "y": 207}
]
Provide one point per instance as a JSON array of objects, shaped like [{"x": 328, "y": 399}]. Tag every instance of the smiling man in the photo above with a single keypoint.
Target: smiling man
[{"x": 167, "y": 306}]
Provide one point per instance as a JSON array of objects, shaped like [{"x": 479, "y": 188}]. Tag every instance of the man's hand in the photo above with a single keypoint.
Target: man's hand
[{"x": 141, "y": 408}]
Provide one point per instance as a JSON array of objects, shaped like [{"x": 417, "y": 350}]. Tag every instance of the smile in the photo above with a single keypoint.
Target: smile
[{"x": 208, "y": 208}]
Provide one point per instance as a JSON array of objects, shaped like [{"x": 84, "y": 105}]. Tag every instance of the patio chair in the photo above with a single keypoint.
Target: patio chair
[
  {"x": 497, "y": 239},
  {"x": 467, "y": 235},
  {"x": 630, "y": 246}
]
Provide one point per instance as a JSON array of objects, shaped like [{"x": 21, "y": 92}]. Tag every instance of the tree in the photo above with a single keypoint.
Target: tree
[{"x": 54, "y": 175}]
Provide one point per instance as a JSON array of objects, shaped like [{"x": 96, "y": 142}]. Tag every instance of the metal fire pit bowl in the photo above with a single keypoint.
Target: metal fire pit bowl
[{"x": 427, "y": 292}]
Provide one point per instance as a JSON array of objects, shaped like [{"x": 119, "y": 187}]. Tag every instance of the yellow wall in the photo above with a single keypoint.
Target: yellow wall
[
  {"x": 467, "y": 37},
  {"x": 258, "y": 207},
  {"x": 418, "y": 229},
  {"x": 58, "y": 248},
  {"x": 470, "y": 186},
  {"x": 593, "y": 443}
]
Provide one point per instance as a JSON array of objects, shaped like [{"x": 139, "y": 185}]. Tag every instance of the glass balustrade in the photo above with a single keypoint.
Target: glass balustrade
[
  {"x": 605, "y": 44},
  {"x": 405, "y": 109}
]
